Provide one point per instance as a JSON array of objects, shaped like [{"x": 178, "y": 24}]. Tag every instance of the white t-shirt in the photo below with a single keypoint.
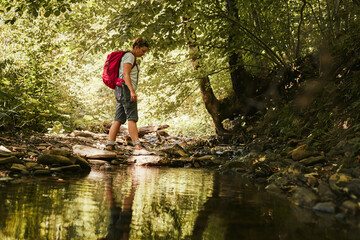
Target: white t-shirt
[{"x": 134, "y": 73}]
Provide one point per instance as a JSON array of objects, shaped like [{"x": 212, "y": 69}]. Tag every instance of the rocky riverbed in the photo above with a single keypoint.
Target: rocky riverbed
[{"x": 325, "y": 182}]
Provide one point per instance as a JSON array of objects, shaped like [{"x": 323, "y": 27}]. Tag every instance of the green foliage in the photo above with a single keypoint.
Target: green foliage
[
  {"x": 31, "y": 8},
  {"x": 52, "y": 54}
]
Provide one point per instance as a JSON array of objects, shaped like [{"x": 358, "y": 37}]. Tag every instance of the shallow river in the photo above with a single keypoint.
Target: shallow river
[{"x": 156, "y": 203}]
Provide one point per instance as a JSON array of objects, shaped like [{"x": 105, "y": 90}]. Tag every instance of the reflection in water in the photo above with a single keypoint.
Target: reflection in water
[
  {"x": 120, "y": 218},
  {"x": 153, "y": 203}
]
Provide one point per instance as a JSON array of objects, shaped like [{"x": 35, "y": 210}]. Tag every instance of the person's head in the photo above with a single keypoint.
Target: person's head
[{"x": 140, "y": 47}]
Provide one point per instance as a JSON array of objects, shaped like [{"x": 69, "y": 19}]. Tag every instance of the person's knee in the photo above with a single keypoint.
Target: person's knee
[{"x": 116, "y": 123}]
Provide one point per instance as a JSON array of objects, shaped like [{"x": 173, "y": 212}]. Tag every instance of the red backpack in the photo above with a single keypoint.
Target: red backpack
[{"x": 111, "y": 69}]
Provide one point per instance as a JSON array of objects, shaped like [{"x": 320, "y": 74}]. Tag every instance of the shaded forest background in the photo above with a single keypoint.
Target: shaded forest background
[{"x": 280, "y": 69}]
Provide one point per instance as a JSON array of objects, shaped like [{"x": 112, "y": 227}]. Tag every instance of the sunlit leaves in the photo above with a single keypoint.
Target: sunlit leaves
[{"x": 35, "y": 8}]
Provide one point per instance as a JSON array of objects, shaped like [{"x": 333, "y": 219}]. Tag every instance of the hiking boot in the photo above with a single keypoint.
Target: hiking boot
[{"x": 110, "y": 147}]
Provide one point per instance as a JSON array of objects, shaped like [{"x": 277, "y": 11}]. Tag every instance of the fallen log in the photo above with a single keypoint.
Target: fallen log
[
  {"x": 142, "y": 130},
  {"x": 149, "y": 129}
]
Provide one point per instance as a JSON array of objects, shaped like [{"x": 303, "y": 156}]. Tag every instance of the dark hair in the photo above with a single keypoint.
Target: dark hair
[{"x": 140, "y": 42}]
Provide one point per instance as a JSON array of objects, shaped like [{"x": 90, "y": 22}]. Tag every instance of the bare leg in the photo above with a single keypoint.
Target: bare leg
[
  {"x": 114, "y": 129},
  {"x": 133, "y": 130}
]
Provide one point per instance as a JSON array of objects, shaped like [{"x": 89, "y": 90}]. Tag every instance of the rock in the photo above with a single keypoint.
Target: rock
[
  {"x": 325, "y": 192},
  {"x": 5, "y": 179},
  {"x": 149, "y": 129},
  {"x": 93, "y": 153},
  {"x": 328, "y": 207},
  {"x": 350, "y": 207},
  {"x": 70, "y": 168},
  {"x": 337, "y": 180},
  {"x": 261, "y": 169},
  {"x": 5, "y": 160},
  {"x": 312, "y": 181},
  {"x": 4, "y": 149},
  {"x": 58, "y": 151},
  {"x": 4, "y": 154},
  {"x": 175, "y": 150},
  {"x": 273, "y": 188},
  {"x": 296, "y": 169},
  {"x": 312, "y": 160},
  {"x": 84, "y": 164},
  {"x": 83, "y": 134},
  {"x": 353, "y": 187},
  {"x": 303, "y": 197},
  {"x": 145, "y": 160},
  {"x": 50, "y": 159},
  {"x": 41, "y": 172},
  {"x": 19, "y": 168},
  {"x": 31, "y": 165},
  {"x": 162, "y": 133},
  {"x": 196, "y": 164},
  {"x": 115, "y": 162},
  {"x": 236, "y": 164},
  {"x": 97, "y": 162},
  {"x": 356, "y": 172},
  {"x": 206, "y": 157},
  {"x": 301, "y": 152}
]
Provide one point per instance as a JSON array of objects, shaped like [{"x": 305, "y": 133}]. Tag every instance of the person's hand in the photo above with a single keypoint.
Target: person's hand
[{"x": 133, "y": 97}]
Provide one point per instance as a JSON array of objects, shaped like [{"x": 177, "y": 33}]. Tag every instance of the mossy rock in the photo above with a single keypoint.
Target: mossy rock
[
  {"x": 84, "y": 164},
  {"x": 58, "y": 151},
  {"x": 51, "y": 159},
  {"x": 6, "y": 160},
  {"x": 70, "y": 168},
  {"x": 41, "y": 172},
  {"x": 4, "y": 154}
]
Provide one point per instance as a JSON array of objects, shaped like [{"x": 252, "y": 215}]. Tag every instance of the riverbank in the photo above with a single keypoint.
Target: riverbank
[{"x": 323, "y": 181}]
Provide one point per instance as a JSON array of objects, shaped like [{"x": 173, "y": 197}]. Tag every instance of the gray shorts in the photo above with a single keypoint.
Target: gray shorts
[{"x": 125, "y": 109}]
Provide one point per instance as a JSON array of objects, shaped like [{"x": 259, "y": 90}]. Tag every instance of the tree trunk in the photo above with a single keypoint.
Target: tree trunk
[
  {"x": 230, "y": 106},
  {"x": 212, "y": 104}
]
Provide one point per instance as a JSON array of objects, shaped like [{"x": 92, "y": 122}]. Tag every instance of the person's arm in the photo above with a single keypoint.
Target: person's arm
[{"x": 126, "y": 73}]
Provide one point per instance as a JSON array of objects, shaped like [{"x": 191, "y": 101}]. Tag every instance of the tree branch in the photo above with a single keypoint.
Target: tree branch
[{"x": 299, "y": 29}]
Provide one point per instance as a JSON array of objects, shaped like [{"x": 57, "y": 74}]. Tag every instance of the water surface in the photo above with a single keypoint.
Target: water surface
[{"x": 156, "y": 203}]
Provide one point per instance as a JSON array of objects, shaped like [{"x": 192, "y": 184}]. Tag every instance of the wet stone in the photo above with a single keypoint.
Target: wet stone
[
  {"x": 353, "y": 187},
  {"x": 301, "y": 152},
  {"x": 303, "y": 197},
  {"x": 206, "y": 157},
  {"x": 312, "y": 160},
  {"x": 19, "y": 168},
  {"x": 350, "y": 207},
  {"x": 325, "y": 192},
  {"x": 58, "y": 151},
  {"x": 84, "y": 164},
  {"x": 328, "y": 207},
  {"x": 6, "y": 160},
  {"x": 261, "y": 169},
  {"x": 337, "y": 180},
  {"x": 41, "y": 172},
  {"x": 273, "y": 188},
  {"x": 93, "y": 153},
  {"x": 115, "y": 162},
  {"x": 50, "y": 159},
  {"x": 97, "y": 162},
  {"x": 175, "y": 150},
  {"x": 70, "y": 168},
  {"x": 31, "y": 165}
]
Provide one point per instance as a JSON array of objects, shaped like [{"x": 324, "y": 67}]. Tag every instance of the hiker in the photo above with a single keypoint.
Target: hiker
[{"x": 126, "y": 98}]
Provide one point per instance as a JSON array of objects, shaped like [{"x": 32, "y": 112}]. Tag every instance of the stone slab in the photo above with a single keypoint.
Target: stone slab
[{"x": 93, "y": 153}]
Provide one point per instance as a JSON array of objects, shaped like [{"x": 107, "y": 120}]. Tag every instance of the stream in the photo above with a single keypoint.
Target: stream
[{"x": 136, "y": 202}]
